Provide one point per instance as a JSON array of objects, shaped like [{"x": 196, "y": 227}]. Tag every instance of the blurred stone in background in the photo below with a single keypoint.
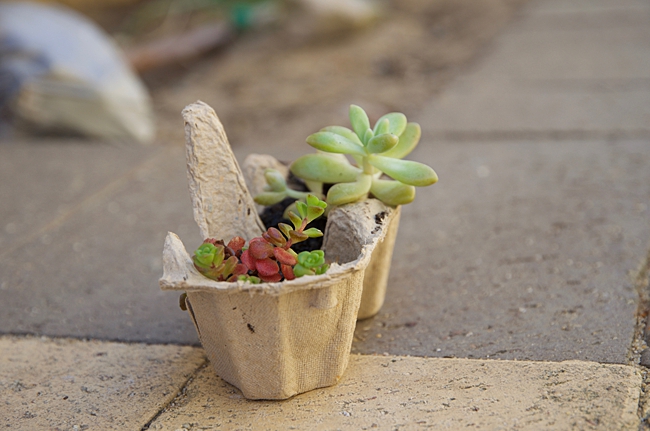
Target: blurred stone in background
[{"x": 59, "y": 72}]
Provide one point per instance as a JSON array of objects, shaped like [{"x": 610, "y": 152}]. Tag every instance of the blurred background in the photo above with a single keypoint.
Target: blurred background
[
  {"x": 92, "y": 163},
  {"x": 273, "y": 68}
]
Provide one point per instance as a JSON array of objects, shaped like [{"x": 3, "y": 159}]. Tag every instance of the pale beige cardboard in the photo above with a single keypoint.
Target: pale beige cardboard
[{"x": 271, "y": 340}]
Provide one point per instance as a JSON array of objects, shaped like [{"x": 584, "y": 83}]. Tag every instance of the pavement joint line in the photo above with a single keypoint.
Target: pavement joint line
[
  {"x": 181, "y": 392},
  {"x": 90, "y": 200},
  {"x": 640, "y": 279},
  {"x": 639, "y": 342},
  {"x": 538, "y": 135}
]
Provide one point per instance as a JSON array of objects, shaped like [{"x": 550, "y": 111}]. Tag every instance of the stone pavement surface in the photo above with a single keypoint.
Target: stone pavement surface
[
  {"x": 536, "y": 249},
  {"x": 49, "y": 384},
  {"x": 565, "y": 68},
  {"x": 74, "y": 385}
]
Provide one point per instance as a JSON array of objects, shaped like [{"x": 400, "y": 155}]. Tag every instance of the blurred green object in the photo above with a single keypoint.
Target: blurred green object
[
  {"x": 240, "y": 14},
  {"x": 60, "y": 72}
]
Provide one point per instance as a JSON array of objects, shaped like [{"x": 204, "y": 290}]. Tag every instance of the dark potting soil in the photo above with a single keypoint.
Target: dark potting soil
[{"x": 272, "y": 216}]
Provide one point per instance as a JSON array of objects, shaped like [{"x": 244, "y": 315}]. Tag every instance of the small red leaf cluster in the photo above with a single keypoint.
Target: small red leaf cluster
[
  {"x": 268, "y": 257},
  {"x": 272, "y": 263}
]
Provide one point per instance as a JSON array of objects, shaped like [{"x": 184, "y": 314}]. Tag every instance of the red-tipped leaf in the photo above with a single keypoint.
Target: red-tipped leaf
[
  {"x": 287, "y": 271},
  {"x": 236, "y": 244},
  {"x": 260, "y": 248},
  {"x": 274, "y": 236},
  {"x": 271, "y": 278},
  {"x": 284, "y": 257},
  {"x": 240, "y": 269},
  {"x": 248, "y": 260},
  {"x": 266, "y": 267}
]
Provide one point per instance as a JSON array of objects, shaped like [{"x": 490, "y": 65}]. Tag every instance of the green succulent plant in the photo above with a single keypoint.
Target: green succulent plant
[
  {"x": 217, "y": 261},
  {"x": 376, "y": 151},
  {"x": 276, "y": 190},
  {"x": 310, "y": 263}
]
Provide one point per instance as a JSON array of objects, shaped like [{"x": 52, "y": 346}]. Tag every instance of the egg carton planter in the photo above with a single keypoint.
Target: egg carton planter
[{"x": 274, "y": 340}]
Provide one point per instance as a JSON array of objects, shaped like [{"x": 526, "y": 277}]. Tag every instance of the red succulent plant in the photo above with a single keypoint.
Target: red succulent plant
[{"x": 268, "y": 257}]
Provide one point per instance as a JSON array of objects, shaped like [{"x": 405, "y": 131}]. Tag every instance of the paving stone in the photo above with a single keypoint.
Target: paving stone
[
  {"x": 104, "y": 254},
  {"x": 522, "y": 300},
  {"x": 42, "y": 181},
  {"x": 523, "y": 250},
  {"x": 518, "y": 265},
  {"x": 59, "y": 384},
  {"x": 549, "y": 73},
  {"x": 413, "y": 393},
  {"x": 584, "y": 6},
  {"x": 99, "y": 274},
  {"x": 541, "y": 57}
]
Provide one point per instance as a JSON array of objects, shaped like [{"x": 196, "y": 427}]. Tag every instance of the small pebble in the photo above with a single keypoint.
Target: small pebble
[{"x": 645, "y": 358}]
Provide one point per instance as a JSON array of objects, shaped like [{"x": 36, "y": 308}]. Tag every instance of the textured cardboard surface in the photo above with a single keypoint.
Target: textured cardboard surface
[
  {"x": 271, "y": 340},
  {"x": 223, "y": 208}
]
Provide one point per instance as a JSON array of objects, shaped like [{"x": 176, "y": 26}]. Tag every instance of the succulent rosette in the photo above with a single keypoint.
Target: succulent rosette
[{"x": 376, "y": 151}]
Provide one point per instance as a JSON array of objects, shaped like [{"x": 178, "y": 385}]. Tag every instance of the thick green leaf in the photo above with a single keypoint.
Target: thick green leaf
[
  {"x": 269, "y": 198},
  {"x": 301, "y": 271},
  {"x": 359, "y": 120},
  {"x": 397, "y": 123},
  {"x": 295, "y": 194},
  {"x": 344, "y": 193},
  {"x": 275, "y": 180},
  {"x": 325, "y": 169},
  {"x": 314, "y": 186},
  {"x": 408, "y": 140},
  {"x": 382, "y": 143},
  {"x": 313, "y": 201},
  {"x": 296, "y": 236},
  {"x": 313, "y": 213},
  {"x": 337, "y": 156},
  {"x": 405, "y": 171},
  {"x": 302, "y": 208},
  {"x": 392, "y": 192},
  {"x": 382, "y": 127},
  {"x": 285, "y": 228},
  {"x": 343, "y": 131},
  {"x": 312, "y": 232},
  {"x": 333, "y": 143},
  {"x": 295, "y": 220},
  {"x": 322, "y": 269},
  {"x": 367, "y": 136}
]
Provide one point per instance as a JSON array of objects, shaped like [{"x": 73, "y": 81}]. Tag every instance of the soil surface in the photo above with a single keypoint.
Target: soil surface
[{"x": 279, "y": 84}]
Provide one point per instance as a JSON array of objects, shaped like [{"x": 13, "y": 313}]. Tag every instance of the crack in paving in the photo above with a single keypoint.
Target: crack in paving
[{"x": 178, "y": 399}]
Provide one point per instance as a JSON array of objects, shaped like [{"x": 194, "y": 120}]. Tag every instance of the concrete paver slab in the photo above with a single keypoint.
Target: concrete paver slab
[
  {"x": 60, "y": 384},
  {"x": 42, "y": 181},
  {"x": 97, "y": 276},
  {"x": 521, "y": 210},
  {"x": 391, "y": 392},
  {"x": 550, "y": 73},
  {"x": 582, "y": 6},
  {"x": 523, "y": 250}
]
